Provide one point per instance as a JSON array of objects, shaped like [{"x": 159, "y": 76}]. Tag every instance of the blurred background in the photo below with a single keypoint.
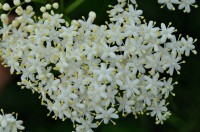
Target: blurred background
[{"x": 185, "y": 106}]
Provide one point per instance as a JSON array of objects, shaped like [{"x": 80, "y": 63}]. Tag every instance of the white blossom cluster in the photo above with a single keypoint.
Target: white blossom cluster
[
  {"x": 89, "y": 73},
  {"x": 8, "y": 123},
  {"x": 182, "y": 4}
]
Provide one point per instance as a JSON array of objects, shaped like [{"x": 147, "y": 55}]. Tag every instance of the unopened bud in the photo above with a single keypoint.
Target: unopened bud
[
  {"x": 6, "y": 7},
  {"x": 55, "y": 5},
  {"x": 16, "y": 2}
]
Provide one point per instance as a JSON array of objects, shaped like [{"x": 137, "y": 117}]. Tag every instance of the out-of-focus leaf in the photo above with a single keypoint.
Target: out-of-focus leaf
[
  {"x": 40, "y": 1},
  {"x": 73, "y": 6},
  {"x": 175, "y": 121}
]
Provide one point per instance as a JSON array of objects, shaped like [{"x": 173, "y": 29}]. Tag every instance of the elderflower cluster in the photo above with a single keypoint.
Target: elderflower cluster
[
  {"x": 92, "y": 73},
  {"x": 182, "y": 4},
  {"x": 8, "y": 123}
]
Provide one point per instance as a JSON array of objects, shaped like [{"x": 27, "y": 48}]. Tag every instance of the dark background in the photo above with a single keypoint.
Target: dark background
[{"x": 185, "y": 106}]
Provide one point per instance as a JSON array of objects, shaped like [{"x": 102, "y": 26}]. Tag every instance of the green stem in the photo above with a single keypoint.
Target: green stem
[{"x": 15, "y": 7}]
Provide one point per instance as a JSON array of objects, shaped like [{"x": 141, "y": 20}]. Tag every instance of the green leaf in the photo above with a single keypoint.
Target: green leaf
[
  {"x": 73, "y": 6},
  {"x": 40, "y": 1}
]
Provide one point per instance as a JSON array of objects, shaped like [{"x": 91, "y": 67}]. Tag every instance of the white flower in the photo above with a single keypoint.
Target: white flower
[
  {"x": 68, "y": 34},
  {"x": 125, "y": 104},
  {"x": 116, "y": 9},
  {"x": 145, "y": 97},
  {"x": 131, "y": 87},
  {"x": 106, "y": 115},
  {"x": 133, "y": 1},
  {"x": 97, "y": 91},
  {"x": 153, "y": 83},
  {"x": 168, "y": 87},
  {"x": 133, "y": 14},
  {"x": 188, "y": 45},
  {"x": 139, "y": 48},
  {"x": 108, "y": 51},
  {"x": 166, "y": 32},
  {"x": 8, "y": 123},
  {"x": 175, "y": 45},
  {"x": 111, "y": 95},
  {"x": 183, "y": 4},
  {"x": 172, "y": 62},
  {"x": 84, "y": 72},
  {"x": 115, "y": 34},
  {"x": 131, "y": 29},
  {"x": 86, "y": 125},
  {"x": 149, "y": 31},
  {"x": 154, "y": 63},
  {"x": 136, "y": 64},
  {"x": 186, "y": 5},
  {"x": 158, "y": 110},
  {"x": 169, "y": 3},
  {"x": 104, "y": 73}
]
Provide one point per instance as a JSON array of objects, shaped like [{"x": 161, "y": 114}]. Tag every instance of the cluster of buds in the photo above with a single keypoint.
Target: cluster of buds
[
  {"x": 182, "y": 4},
  {"x": 89, "y": 73},
  {"x": 9, "y": 123}
]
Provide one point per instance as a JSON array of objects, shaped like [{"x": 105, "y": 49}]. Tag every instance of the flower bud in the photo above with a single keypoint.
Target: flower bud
[
  {"x": 6, "y": 7},
  {"x": 19, "y": 10},
  {"x": 48, "y": 7},
  {"x": 45, "y": 15},
  {"x": 27, "y": 1},
  {"x": 75, "y": 23},
  {"x": 16, "y": 2},
  {"x": 4, "y": 18},
  {"x": 15, "y": 23},
  {"x": 43, "y": 9},
  {"x": 29, "y": 9},
  {"x": 92, "y": 14},
  {"x": 55, "y": 5}
]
